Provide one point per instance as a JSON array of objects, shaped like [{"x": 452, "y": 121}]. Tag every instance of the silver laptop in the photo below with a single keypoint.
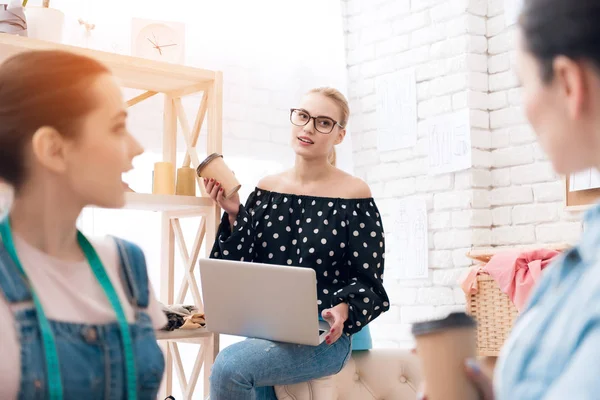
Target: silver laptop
[{"x": 262, "y": 301}]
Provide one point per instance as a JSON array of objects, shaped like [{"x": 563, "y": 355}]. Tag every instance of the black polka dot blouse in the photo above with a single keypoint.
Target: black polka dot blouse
[{"x": 341, "y": 239}]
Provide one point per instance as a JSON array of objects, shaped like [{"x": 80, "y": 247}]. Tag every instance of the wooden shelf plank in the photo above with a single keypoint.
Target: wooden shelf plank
[
  {"x": 164, "y": 202},
  {"x": 132, "y": 72},
  {"x": 184, "y": 335}
]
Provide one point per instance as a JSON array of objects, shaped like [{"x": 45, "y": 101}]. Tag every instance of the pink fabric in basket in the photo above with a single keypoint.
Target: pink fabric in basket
[
  {"x": 469, "y": 284},
  {"x": 517, "y": 272}
]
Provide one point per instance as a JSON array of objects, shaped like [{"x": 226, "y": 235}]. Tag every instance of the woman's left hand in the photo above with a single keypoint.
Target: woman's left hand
[{"x": 335, "y": 316}]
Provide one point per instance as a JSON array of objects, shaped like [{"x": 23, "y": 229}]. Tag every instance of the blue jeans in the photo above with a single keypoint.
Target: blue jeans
[{"x": 248, "y": 370}]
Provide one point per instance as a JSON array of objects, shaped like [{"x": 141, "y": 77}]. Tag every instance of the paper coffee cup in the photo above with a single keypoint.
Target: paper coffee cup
[
  {"x": 214, "y": 167},
  {"x": 443, "y": 346}
]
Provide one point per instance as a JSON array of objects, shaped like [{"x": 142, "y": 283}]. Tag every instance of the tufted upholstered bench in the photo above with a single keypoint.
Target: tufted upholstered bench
[{"x": 381, "y": 374}]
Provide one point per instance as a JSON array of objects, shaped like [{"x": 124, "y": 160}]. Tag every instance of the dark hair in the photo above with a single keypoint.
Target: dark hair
[
  {"x": 569, "y": 28},
  {"x": 37, "y": 89}
]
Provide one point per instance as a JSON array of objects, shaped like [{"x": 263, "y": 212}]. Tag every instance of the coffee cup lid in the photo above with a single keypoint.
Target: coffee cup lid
[
  {"x": 454, "y": 320},
  {"x": 206, "y": 161}
]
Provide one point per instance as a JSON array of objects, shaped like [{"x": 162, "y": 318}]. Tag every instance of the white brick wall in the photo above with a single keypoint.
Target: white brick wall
[
  {"x": 527, "y": 198},
  {"x": 446, "y": 45},
  {"x": 463, "y": 56}
]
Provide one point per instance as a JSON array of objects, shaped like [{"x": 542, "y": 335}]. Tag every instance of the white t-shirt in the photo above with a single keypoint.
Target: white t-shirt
[{"x": 69, "y": 292}]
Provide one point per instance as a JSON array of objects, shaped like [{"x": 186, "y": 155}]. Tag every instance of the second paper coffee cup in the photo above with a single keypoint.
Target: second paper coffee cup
[
  {"x": 443, "y": 346},
  {"x": 214, "y": 167}
]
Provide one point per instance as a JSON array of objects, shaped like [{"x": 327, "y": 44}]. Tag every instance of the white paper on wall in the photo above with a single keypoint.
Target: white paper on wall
[
  {"x": 449, "y": 143},
  {"x": 407, "y": 250},
  {"x": 584, "y": 180},
  {"x": 396, "y": 110},
  {"x": 512, "y": 10}
]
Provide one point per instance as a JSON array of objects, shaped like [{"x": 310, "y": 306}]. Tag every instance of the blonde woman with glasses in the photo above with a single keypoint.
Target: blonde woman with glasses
[{"x": 314, "y": 216}]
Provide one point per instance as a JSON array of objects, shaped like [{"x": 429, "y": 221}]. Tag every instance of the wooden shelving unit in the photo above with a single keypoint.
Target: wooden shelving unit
[{"x": 173, "y": 82}]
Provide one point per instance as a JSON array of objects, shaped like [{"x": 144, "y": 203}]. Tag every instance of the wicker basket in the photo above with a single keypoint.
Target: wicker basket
[
  {"x": 495, "y": 314},
  {"x": 493, "y": 310}
]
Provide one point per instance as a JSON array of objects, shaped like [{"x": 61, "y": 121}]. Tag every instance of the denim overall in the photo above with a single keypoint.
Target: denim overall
[{"x": 91, "y": 357}]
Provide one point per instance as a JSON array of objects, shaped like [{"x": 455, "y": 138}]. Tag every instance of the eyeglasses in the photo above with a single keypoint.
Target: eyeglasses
[{"x": 300, "y": 117}]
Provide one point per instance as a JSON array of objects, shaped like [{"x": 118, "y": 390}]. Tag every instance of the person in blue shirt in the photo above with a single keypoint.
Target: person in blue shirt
[{"x": 553, "y": 352}]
